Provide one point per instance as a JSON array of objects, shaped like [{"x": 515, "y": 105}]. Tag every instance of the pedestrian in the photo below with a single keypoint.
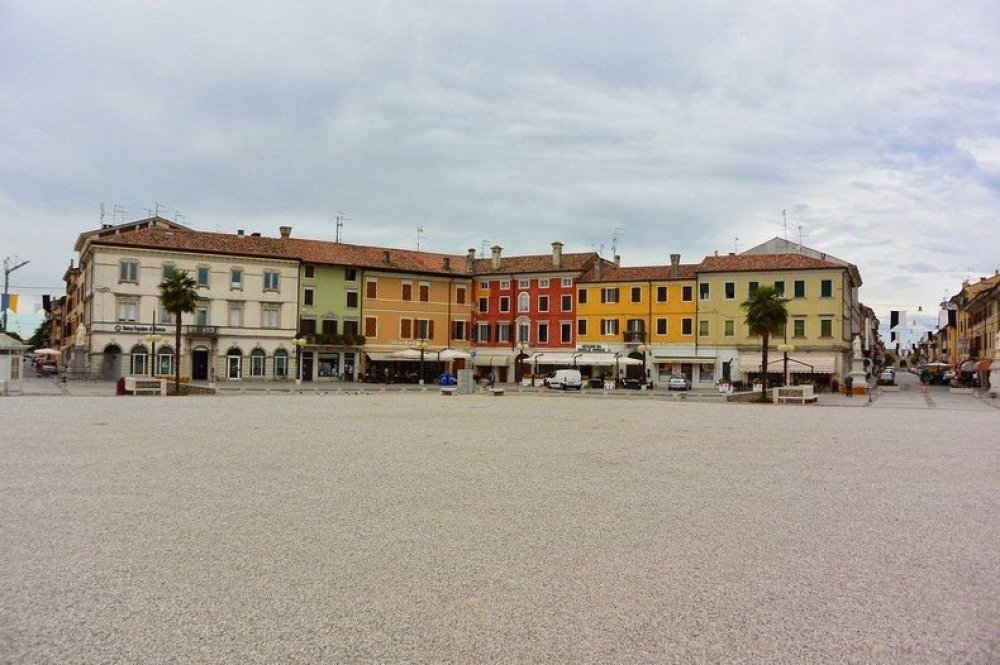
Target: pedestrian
[{"x": 849, "y": 385}]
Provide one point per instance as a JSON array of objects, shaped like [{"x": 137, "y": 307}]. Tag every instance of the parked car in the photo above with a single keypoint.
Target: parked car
[
  {"x": 678, "y": 382},
  {"x": 48, "y": 369},
  {"x": 888, "y": 375},
  {"x": 565, "y": 379}
]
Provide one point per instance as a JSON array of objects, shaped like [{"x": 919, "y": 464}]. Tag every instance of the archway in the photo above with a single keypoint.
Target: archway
[
  {"x": 234, "y": 363},
  {"x": 111, "y": 365}
]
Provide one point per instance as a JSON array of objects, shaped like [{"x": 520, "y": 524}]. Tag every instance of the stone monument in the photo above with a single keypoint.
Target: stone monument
[{"x": 859, "y": 379}]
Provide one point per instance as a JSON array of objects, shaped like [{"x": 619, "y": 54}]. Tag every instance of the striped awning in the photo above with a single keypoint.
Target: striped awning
[{"x": 800, "y": 362}]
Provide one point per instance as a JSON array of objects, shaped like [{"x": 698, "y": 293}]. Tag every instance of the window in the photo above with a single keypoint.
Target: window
[
  {"x": 543, "y": 283},
  {"x": 752, "y": 288},
  {"x": 271, "y": 280},
  {"x": 371, "y": 289},
  {"x": 128, "y": 310},
  {"x": 407, "y": 291},
  {"x": 234, "y": 363},
  {"x": 257, "y": 358},
  {"x": 729, "y": 328},
  {"x": 503, "y": 332},
  {"x": 164, "y": 360},
  {"x": 236, "y": 278},
  {"x": 703, "y": 328},
  {"x": 351, "y": 328},
  {"x": 703, "y": 291},
  {"x": 307, "y": 325},
  {"x": 351, "y": 275},
  {"x": 168, "y": 270},
  {"x": 687, "y": 293},
  {"x": 504, "y": 283},
  {"x": 460, "y": 295},
  {"x": 281, "y": 362},
  {"x": 706, "y": 372},
  {"x": 636, "y": 294},
  {"x": 270, "y": 316},
  {"x": 686, "y": 326},
  {"x": 609, "y": 294},
  {"x": 139, "y": 356},
  {"x": 661, "y": 326},
  {"x": 352, "y": 299},
  {"x": 202, "y": 275},
  {"x": 425, "y": 293},
  {"x": 460, "y": 330},
  {"x": 128, "y": 271},
  {"x": 406, "y": 328},
  {"x": 425, "y": 329},
  {"x": 826, "y": 288},
  {"x": 798, "y": 327},
  {"x": 523, "y": 283},
  {"x": 543, "y": 333},
  {"x": 567, "y": 282},
  {"x": 567, "y": 303},
  {"x": 524, "y": 332},
  {"x": 581, "y": 296},
  {"x": 565, "y": 333},
  {"x": 310, "y": 272},
  {"x": 543, "y": 303},
  {"x": 730, "y": 290},
  {"x": 484, "y": 305},
  {"x": 504, "y": 303},
  {"x": 482, "y": 332},
  {"x": 371, "y": 327},
  {"x": 523, "y": 302},
  {"x": 484, "y": 285},
  {"x": 800, "y": 288},
  {"x": 329, "y": 326},
  {"x": 779, "y": 286},
  {"x": 826, "y": 327},
  {"x": 581, "y": 327},
  {"x": 165, "y": 316},
  {"x": 201, "y": 314},
  {"x": 309, "y": 297},
  {"x": 609, "y": 326},
  {"x": 235, "y": 315},
  {"x": 661, "y": 294}
]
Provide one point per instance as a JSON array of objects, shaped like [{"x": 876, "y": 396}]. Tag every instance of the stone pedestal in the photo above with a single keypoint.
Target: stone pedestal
[{"x": 858, "y": 376}]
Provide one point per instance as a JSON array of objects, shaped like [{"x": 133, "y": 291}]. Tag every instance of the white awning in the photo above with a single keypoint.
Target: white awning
[
  {"x": 695, "y": 360},
  {"x": 799, "y": 362}
]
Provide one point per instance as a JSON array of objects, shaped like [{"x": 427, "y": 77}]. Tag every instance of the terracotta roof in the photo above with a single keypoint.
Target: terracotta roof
[
  {"x": 640, "y": 273},
  {"x": 763, "y": 262},
  {"x": 536, "y": 263},
  {"x": 375, "y": 258},
  {"x": 201, "y": 242}
]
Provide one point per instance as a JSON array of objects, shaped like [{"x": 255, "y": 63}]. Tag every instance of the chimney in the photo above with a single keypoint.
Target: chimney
[
  {"x": 557, "y": 255},
  {"x": 446, "y": 263},
  {"x": 285, "y": 231},
  {"x": 385, "y": 255},
  {"x": 470, "y": 261},
  {"x": 496, "y": 249},
  {"x": 239, "y": 232},
  {"x": 618, "y": 260},
  {"x": 675, "y": 265}
]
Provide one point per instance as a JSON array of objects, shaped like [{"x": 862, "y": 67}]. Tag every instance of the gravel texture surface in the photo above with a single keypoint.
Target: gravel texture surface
[{"x": 413, "y": 528}]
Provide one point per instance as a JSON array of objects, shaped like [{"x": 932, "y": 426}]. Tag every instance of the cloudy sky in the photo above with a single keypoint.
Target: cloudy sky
[{"x": 690, "y": 126}]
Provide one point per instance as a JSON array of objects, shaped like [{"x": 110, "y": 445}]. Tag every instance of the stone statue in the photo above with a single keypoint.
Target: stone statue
[{"x": 856, "y": 345}]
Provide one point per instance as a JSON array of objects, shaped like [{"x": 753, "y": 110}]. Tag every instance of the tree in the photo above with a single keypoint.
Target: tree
[
  {"x": 766, "y": 315},
  {"x": 178, "y": 294}
]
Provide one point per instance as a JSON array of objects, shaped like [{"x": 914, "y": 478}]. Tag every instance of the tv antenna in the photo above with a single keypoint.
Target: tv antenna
[
  {"x": 178, "y": 216},
  {"x": 616, "y": 236},
  {"x": 420, "y": 233},
  {"x": 114, "y": 214},
  {"x": 339, "y": 233},
  {"x": 801, "y": 235},
  {"x": 482, "y": 248},
  {"x": 158, "y": 206},
  {"x": 736, "y": 245}
]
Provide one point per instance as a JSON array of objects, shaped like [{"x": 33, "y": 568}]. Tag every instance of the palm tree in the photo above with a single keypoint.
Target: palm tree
[
  {"x": 766, "y": 315},
  {"x": 178, "y": 294}
]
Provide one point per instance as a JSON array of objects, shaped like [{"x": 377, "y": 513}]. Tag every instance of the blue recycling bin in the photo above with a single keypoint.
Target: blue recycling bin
[{"x": 447, "y": 379}]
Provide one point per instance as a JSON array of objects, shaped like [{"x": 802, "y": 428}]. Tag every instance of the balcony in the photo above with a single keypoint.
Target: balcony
[
  {"x": 634, "y": 336},
  {"x": 211, "y": 332}
]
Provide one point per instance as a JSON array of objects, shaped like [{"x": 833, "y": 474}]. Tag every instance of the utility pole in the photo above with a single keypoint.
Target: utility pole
[{"x": 7, "y": 270}]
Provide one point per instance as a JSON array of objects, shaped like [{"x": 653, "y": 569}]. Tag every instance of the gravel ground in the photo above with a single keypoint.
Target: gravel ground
[{"x": 412, "y": 528}]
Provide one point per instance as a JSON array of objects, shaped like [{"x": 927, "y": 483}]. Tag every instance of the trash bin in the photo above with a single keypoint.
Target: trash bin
[
  {"x": 120, "y": 386},
  {"x": 447, "y": 379}
]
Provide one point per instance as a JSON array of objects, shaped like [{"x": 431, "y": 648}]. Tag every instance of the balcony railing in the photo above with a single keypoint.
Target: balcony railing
[
  {"x": 635, "y": 336},
  {"x": 202, "y": 331}
]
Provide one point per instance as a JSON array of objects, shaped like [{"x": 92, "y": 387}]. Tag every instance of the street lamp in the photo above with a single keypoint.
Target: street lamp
[
  {"x": 520, "y": 347},
  {"x": 299, "y": 342},
  {"x": 151, "y": 339},
  {"x": 422, "y": 345},
  {"x": 786, "y": 349},
  {"x": 643, "y": 349}
]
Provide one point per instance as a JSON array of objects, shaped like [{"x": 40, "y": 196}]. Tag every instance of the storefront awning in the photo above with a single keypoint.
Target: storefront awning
[
  {"x": 375, "y": 356},
  {"x": 798, "y": 362},
  {"x": 695, "y": 360}
]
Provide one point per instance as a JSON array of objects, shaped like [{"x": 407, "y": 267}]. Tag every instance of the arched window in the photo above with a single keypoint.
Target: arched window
[
  {"x": 139, "y": 357},
  {"x": 234, "y": 363},
  {"x": 281, "y": 363},
  {"x": 257, "y": 358},
  {"x": 165, "y": 360},
  {"x": 523, "y": 302}
]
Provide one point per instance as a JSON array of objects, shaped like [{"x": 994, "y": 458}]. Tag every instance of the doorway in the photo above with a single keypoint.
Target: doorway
[
  {"x": 112, "y": 363},
  {"x": 199, "y": 364},
  {"x": 307, "y": 366}
]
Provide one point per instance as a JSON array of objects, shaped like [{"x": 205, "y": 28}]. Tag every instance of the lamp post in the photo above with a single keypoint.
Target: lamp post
[
  {"x": 299, "y": 342},
  {"x": 786, "y": 349},
  {"x": 520, "y": 347},
  {"x": 422, "y": 345},
  {"x": 618, "y": 354},
  {"x": 151, "y": 339},
  {"x": 643, "y": 349}
]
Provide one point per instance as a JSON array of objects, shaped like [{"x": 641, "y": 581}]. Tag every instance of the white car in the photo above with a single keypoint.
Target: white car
[
  {"x": 887, "y": 375},
  {"x": 678, "y": 382}
]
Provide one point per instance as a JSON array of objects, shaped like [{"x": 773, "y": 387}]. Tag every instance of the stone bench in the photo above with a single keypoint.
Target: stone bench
[
  {"x": 495, "y": 392},
  {"x": 140, "y": 386},
  {"x": 798, "y": 394}
]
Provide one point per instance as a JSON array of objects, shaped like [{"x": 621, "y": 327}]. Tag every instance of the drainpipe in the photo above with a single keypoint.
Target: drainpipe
[{"x": 359, "y": 369}]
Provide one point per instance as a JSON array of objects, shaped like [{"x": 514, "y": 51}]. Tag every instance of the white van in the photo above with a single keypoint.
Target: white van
[{"x": 564, "y": 379}]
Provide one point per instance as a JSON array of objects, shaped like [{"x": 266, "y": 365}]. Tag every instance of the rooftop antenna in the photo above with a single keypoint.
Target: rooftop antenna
[
  {"x": 736, "y": 245},
  {"x": 114, "y": 215},
  {"x": 420, "y": 233},
  {"x": 482, "y": 248},
  {"x": 340, "y": 226},
  {"x": 158, "y": 206},
  {"x": 616, "y": 236},
  {"x": 149, "y": 212},
  {"x": 102, "y": 215},
  {"x": 178, "y": 217},
  {"x": 801, "y": 235}
]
